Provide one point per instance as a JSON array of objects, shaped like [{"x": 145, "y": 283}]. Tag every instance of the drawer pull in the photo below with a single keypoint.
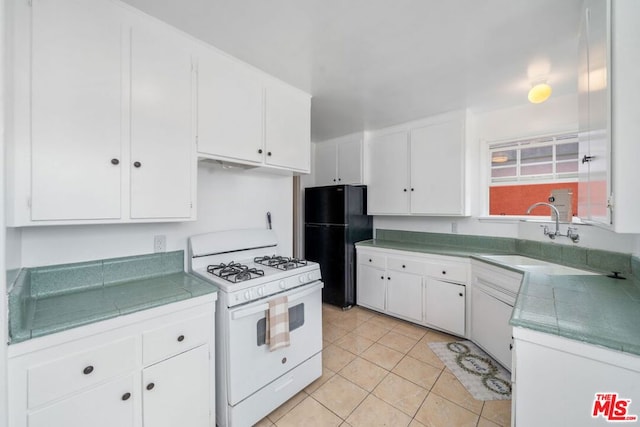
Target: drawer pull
[
  {"x": 460, "y": 294},
  {"x": 181, "y": 338},
  {"x": 126, "y": 396},
  {"x": 388, "y": 278},
  {"x": 382, "y": 277},
  {"x": 87, "y": 370},
  {"x": 404, "y": 266},
  {"x": 444, "y": 272},
  {"x": 150, "y": 386},
  {"x": 370, "y": 260}
]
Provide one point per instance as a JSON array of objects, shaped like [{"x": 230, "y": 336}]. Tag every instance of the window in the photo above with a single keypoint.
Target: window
[{"x": 526, "y": 171}]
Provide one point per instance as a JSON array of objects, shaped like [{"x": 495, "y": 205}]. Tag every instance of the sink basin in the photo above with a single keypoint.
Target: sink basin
[{"x": 536, "y": 265}]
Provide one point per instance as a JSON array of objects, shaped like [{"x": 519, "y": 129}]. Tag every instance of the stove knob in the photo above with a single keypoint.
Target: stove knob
[
  {"x": 301, "y": 279},
  {"x": 247, "y": 295},
  {"x": 282, "y": 285},
  {"x": 310, "y": 276},
  {"x": 260, "y": 291}
]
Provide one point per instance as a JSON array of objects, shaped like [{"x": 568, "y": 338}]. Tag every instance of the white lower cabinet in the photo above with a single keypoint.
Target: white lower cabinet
[
  {"x": 557, "y": 380},
  {"x": 404, "y": 295},
  {"x": 96, "y": 375},
  {"x": 176, "y": 392},
  {"x": 444, "y": 304},
  {"x": 426, "y": 289},
  {"x": 111, "y": 404},
  {"x": 371, "y": 287}
]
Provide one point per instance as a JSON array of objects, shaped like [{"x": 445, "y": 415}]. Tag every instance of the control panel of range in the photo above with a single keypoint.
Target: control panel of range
[{"x": 260, "y": 291}]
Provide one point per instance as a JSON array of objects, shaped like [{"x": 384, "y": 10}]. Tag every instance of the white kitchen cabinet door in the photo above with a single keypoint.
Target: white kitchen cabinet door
[
  {"x": 371, "y": 287},
  {"x": 445, "y": 305},
  {"x": 109, "y": 405},
  {"x": 76, "y": 110},
  {"x": 490, "y": 327},
  {"x": 325, "y": 163},
  {"x": 437, "y": 169},
  {"x": 230, "y": 109},
  {"x": 287, "y": 127},
  {"x": 350, "y": 161},
  {"x": 404, "y": 295},
  {"x": 176, "y": 391},
  {"x": 388, "y": 187},
  {"x": 162, "y": 140},
  {"x": 594, "y": 114}
]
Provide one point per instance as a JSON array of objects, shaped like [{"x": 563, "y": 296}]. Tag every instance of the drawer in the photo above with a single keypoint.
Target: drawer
[
  {"x": 162, "y": 343},
  {"x": 372, "y": 260},
  {"x": 447, "y": 271},
  {"x": 408, "y": 266},
  {"x": 80, "y": 370}
]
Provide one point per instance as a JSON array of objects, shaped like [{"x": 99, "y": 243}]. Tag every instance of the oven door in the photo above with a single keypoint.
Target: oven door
[{"x": 251, "y": 364}]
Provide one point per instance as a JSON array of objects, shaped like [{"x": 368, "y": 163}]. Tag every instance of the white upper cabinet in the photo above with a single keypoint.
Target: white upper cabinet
[
  {"x": 76, "y": 110},
  {"x": 608, "y": 102},
  {"x": 419, "y": 168},
  {"x": 388, "y": 184},
  {"x": 437, "y": 168},
  {"x": 287, "y": 127},
  {"x": 339, "y": 161},
  {"x": 162, "y": 141},
  {"x": 230, "y": 109},
  {"x": 246, "y": 117},
  {"x": 104, "y": 131}
]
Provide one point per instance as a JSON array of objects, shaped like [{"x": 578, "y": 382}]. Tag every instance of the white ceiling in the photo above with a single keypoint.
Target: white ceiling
[{"x": 373, "y": 63}]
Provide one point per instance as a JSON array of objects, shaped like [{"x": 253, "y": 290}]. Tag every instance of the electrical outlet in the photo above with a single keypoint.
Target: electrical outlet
[
  {"x": 160, "y": 243},
  {"x": 454, "y": 227}
]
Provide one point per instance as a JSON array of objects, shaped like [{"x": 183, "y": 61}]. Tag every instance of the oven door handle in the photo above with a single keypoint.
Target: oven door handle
[{"x": 248, "y": 311}]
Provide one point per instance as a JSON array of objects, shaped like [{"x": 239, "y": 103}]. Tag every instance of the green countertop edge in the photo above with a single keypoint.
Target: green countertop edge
[
  {"x": 583, "y": 308},
  {"x": 45, "y": 300}
]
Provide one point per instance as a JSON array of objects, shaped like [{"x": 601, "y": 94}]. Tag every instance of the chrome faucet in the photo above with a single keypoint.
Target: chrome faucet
[{"x": 571, "y": 232}]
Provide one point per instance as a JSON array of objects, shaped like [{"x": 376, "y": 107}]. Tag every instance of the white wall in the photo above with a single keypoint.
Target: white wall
[
  {"x": 556, "y": 115},
  {"x": 227, "y": 199}
]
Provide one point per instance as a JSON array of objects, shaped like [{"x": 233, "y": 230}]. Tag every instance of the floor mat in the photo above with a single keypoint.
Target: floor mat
[{"x": 483, "y": 377}]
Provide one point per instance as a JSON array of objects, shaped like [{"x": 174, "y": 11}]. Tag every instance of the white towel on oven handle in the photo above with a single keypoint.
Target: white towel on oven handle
[{"x": 277, "y": 323}]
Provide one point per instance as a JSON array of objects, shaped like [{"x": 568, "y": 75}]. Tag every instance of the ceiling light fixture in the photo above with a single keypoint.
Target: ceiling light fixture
[{"x": 539, "y": 92}]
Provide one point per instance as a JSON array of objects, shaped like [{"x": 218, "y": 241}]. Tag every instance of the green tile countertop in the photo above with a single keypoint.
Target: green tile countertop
[
  {"x": 45, "y": 300},
  {"x": 591, "y": 308},
  {"x": 594, "y": 309}
]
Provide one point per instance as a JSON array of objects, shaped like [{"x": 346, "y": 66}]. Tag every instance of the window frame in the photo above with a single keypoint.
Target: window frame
[{"x": 486, "y": 169}]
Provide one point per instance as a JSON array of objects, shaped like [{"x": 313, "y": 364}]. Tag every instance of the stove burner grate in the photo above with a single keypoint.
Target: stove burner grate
[
  {"x": 234, "y": 272},
  {"x": 280, "y": 262}
]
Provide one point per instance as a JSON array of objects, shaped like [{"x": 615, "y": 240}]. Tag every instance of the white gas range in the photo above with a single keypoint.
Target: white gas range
[{"x": 251, "y": 380}]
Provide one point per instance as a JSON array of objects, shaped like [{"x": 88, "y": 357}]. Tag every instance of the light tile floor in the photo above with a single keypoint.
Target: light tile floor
[{"x": 379, "y": 371}]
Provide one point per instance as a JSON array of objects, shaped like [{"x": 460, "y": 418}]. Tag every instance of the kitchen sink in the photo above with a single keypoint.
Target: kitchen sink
[{"x": 536, "y": 265}]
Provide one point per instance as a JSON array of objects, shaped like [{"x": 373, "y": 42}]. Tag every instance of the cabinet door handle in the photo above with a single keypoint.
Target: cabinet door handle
[
  {"x": 510, "y": 346},
  {"x": 268, "y": 153},
  {"x": 369, "y": 259},
  {"x": 115, "y": 161},
  {"x": 339, "y": 179},
  {"x": 150, "y": 386},
  {"x": 444, "y": 272},
  {"x": 181, "y": 338},
  {"x": 259, "y": 150},
  {"x": 137, "y": 164},
  {"x": 412, "y": 189},
  {"x": 461, "y": 294},
  {"x": 405, "y": 190},
  {"x": 87, "y": 370},
  {"x": 126, "y": 396},
  {"x": 388, "y": 278},
  {"x": 382, "y": 277},
  {"x": 404, "y": 266},
  {"x": 334, "y": 180}
]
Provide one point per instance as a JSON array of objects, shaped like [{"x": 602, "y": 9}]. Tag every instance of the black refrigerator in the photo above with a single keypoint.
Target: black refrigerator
[{"x": 336, "y": 218}]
